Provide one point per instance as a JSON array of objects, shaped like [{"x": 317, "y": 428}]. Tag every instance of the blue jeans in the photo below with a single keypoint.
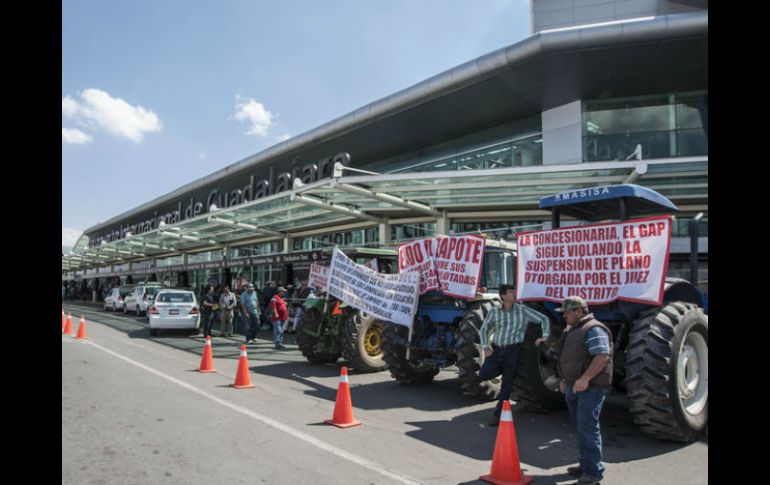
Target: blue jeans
[
  {"x": 252, "y": 322},
  {"x": 278, "y": 326},
  {"x": 584, "y": 409},
  {"x": 502, "y": 362}
]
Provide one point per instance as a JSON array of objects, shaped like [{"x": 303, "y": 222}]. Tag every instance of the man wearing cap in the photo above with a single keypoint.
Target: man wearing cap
[
  {"x": 279, "y": 315},
  {"x": 502, "y": 350},
  {"x": 585, "y": 365},
  {"x": 250, "y": 308}
]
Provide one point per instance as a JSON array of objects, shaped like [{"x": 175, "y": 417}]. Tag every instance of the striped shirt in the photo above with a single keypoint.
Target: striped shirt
[
  {"x": 597, "y": 341},
  {"x": 509, "y": 327}
]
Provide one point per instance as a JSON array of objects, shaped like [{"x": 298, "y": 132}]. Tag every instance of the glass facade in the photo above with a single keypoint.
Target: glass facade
[
  {"x": 497, "y": 230},
  {"x": 522, "y": 152},
  {"x": 272, "y": 247},
  {"x": 667, "y": 125},
  {"x": 406, "y": 232},
  {"x": 681, "y": 227}
]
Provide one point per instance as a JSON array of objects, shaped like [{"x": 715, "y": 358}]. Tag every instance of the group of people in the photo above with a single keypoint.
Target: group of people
[
  {"x": 584, "y": 361},
  {"x": 250, "y": 308}
]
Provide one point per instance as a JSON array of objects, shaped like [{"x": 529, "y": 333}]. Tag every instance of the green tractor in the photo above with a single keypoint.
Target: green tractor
[{"x": 330, "y": 329}]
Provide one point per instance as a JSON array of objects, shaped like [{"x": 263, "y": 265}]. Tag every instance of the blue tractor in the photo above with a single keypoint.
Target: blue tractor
[
  {"x": 660, "y": 352},
  {"x": 446, "y": 329}
]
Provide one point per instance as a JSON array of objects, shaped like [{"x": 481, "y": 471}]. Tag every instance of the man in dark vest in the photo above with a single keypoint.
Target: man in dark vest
[{"x": 585, "y": 365}]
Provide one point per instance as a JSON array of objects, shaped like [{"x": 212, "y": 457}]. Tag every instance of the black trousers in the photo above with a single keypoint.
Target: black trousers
[
  {"x": 502, "y": 361},
  {"x": 208, "y": 322}
]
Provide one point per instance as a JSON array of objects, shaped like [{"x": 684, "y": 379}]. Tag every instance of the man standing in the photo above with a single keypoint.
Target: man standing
[
  {"x": 250, "y": 312},
  {"x": 226, "y": 305},
  {"x": 585, "y": 365},
  {"x": 508, "y": 323},
  {"x": 279, "y": 315},
  {"x": 300, "y": 295},
  {"x": 207, "y": 311}
]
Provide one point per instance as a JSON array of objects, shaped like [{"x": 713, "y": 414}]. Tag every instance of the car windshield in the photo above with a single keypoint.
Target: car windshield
[
  {"x": 174, "y": 298},
  {"x": 152, "y": 290}
]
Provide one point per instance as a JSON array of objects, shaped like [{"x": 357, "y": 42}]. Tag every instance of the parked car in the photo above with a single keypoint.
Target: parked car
[
  {"x": 137, "y": 301},
  {"x": 114, "y": 299},
  {"x": 174, "y": 309}
]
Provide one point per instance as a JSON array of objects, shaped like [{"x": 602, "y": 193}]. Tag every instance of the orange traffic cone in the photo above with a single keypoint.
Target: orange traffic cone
[
  {"x": 242, "y": 378},
  {"x": 343, "y": 409},
  {"x": 505, "y": 462},
  {"x": 82, "y": 329},
  {"x": 68, "y": 325},
  {"x": 207, "y": 361}
]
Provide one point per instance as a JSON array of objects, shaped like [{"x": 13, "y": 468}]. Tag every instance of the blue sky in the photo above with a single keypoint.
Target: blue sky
[{"x": 158, "y": 93}]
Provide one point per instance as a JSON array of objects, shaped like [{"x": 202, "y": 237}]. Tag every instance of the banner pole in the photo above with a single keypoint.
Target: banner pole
[{"x": 409, "y": 341}]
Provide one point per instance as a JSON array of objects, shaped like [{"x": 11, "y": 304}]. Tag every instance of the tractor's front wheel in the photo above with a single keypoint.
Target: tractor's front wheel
[
  {"x": 307, "y": 338},
  {"x": 412, "y": 371},
  {"x": 362, "y": 342}
]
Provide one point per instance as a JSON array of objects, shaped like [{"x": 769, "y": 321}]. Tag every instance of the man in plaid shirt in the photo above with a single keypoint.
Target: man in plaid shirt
[{"x": 507, "y": 325}]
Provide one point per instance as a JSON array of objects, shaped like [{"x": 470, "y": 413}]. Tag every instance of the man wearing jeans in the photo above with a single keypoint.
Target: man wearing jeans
[
  {"x": 250, "y": 312},
  {"x": 585, "y": 365},
  {"x": 278, "y": 316},
  {"x": 501, "y": 351}
]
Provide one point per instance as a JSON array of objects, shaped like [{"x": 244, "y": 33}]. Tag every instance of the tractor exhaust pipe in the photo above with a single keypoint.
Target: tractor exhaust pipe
[{"x": 694, "y": 226}]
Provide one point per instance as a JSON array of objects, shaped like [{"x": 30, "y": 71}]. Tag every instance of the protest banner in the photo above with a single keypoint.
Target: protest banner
[
  {"x": 600, "y": 262},
  {"x": 450, "y": 264},
  {"x": 392, "y": 298},
  {"x": 319, "y": 275}
]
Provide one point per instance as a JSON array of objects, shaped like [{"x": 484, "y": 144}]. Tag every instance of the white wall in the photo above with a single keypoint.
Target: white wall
[{"x": 562, "y": 135}]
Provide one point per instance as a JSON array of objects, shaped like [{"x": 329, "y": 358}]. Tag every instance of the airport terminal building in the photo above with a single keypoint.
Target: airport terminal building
[{"x": 602, "y": 92}]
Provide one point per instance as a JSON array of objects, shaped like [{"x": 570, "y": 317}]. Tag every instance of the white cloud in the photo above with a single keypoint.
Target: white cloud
[
  {"x": 69, "y": 236},
  {"x": 202, "y": 156},
  {"x": 254, "y": 113},
  {"x": 284, "y": 137},
  {"x": 74, "y": 136},
  {"x": 96, "y": 109}
]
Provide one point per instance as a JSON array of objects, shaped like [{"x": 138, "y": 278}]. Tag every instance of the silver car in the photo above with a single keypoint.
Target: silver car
[{"x": 174, "y": 309}]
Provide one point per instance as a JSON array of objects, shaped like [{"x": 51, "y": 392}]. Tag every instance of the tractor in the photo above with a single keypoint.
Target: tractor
[
  {"x": 660, "y": 352},
  {"x": 445, "y": 331},
  {"x": 329, "y": 329}
]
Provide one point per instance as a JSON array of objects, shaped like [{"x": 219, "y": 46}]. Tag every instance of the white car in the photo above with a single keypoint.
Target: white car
[
  {"x": 137, "y": 301},
  {"x": 174, "y": 309},
  {"x": 114, "y": 299}
]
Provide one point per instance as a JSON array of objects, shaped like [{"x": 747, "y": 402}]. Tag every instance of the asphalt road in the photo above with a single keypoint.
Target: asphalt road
[{"x": 134, "y": 411}]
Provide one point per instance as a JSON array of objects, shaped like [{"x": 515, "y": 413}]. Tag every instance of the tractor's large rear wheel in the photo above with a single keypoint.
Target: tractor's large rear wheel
[
  {"x": 536, "y": 386},
  {"x": 362, "y": 342},
  {"x": 309, "y": 342},
  {"x": 667, "y": 371},
  {"x": 412, "y": 371},
  {"x": 470, "y": 357}
]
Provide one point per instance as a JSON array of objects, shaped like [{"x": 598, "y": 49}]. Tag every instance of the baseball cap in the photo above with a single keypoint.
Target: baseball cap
[
  {"x": 281, "y": 288},
  {"x": 250, "y": 286},
  {"x": 572, "y": 303}
]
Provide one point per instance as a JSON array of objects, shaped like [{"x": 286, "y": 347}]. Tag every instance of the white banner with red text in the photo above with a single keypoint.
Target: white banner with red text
[
  {"x": 599, "y": 263},
  {"x": 450, "y": 264},
  {"x": 319, "y": 276}
]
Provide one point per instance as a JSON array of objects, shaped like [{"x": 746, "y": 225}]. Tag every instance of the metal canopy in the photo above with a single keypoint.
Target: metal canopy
[{"x": 327, "y": 205}]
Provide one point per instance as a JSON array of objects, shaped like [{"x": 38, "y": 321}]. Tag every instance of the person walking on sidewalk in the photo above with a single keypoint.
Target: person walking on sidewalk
[
  {"x": 585, "y": 365},
  {"x": 278, "y": 316},
  {"x": 226, "y": 306},
  {"x": 502, "y": 350},
  {"x": 250, "y": 312}
]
